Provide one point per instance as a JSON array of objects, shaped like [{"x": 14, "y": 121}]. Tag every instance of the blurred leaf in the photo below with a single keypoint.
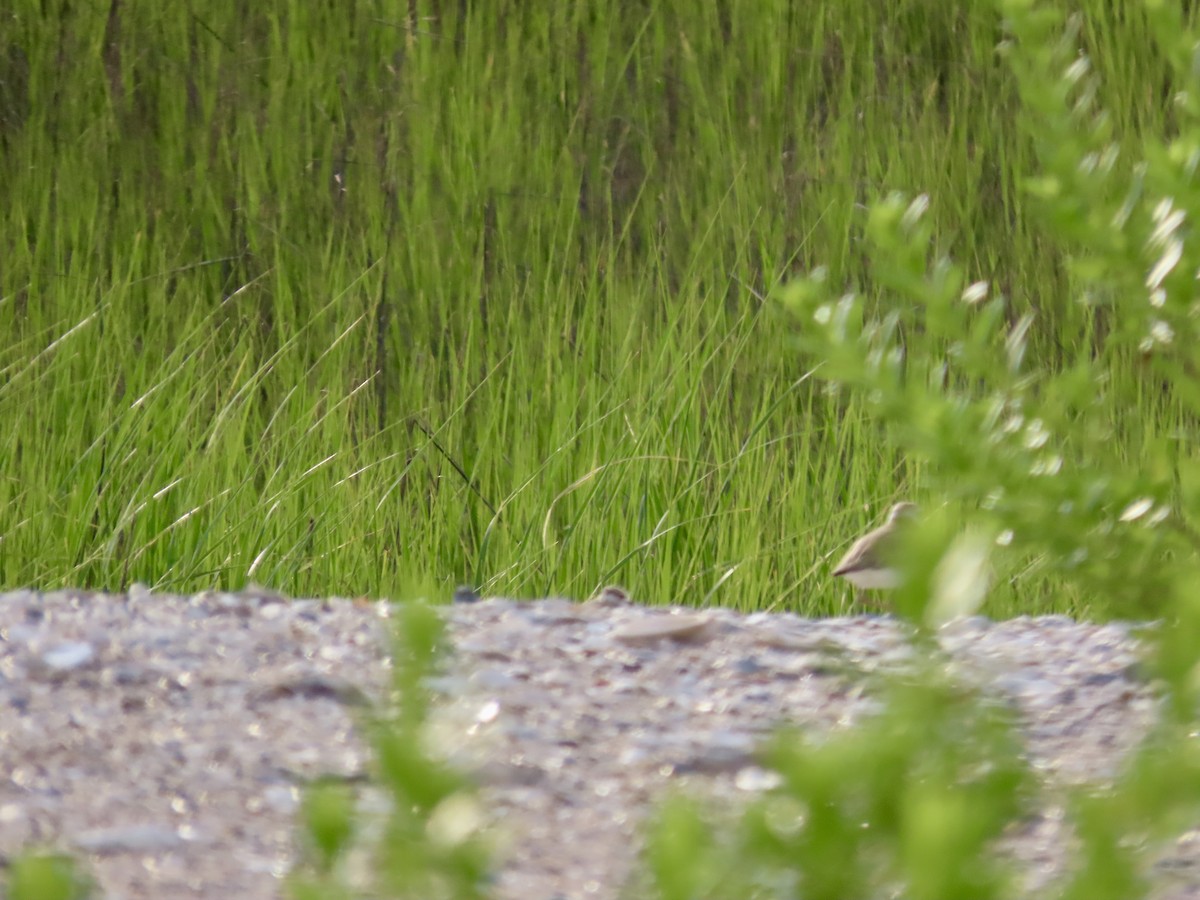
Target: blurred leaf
[
  {"x": 328, "y": 812},
  {"x": 47, "y": 877}
]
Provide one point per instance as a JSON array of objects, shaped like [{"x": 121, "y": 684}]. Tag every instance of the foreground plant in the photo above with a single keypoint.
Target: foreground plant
[
  {"x": 431, "y": 845},
  {"x": 46, "y": 876},
  {"x": 912, "y": 798}
]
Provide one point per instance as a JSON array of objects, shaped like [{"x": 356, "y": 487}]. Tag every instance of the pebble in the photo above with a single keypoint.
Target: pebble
[
  {"x": 69, "y": 655},
  {"x": 465, "y": 594},
  {"x": 137, "y": 838},
  {"x": 654, "y": 627}
]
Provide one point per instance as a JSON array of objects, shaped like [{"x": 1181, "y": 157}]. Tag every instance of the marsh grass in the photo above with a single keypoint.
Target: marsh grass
[{"x": 339, "y": 300}]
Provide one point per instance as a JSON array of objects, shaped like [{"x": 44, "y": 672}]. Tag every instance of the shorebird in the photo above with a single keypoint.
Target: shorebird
[{"x": 867, "y": 565}]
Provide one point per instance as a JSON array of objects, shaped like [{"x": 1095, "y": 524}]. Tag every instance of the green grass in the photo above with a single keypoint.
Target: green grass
[{"x": 340, "y": 300}]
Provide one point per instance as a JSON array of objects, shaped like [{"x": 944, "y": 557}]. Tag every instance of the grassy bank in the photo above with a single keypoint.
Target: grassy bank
[{"x": 343, "y": 301}]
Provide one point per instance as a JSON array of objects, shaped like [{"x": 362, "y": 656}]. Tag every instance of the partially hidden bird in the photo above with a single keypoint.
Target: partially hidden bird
[{"x": 869, "y": 563}]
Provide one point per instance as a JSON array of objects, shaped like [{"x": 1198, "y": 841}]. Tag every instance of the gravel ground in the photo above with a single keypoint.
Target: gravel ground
[{"x": 164, "y": 739}]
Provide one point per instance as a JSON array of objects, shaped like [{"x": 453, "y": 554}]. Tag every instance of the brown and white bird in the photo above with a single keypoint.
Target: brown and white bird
[{"x": 868, "y": 565}]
